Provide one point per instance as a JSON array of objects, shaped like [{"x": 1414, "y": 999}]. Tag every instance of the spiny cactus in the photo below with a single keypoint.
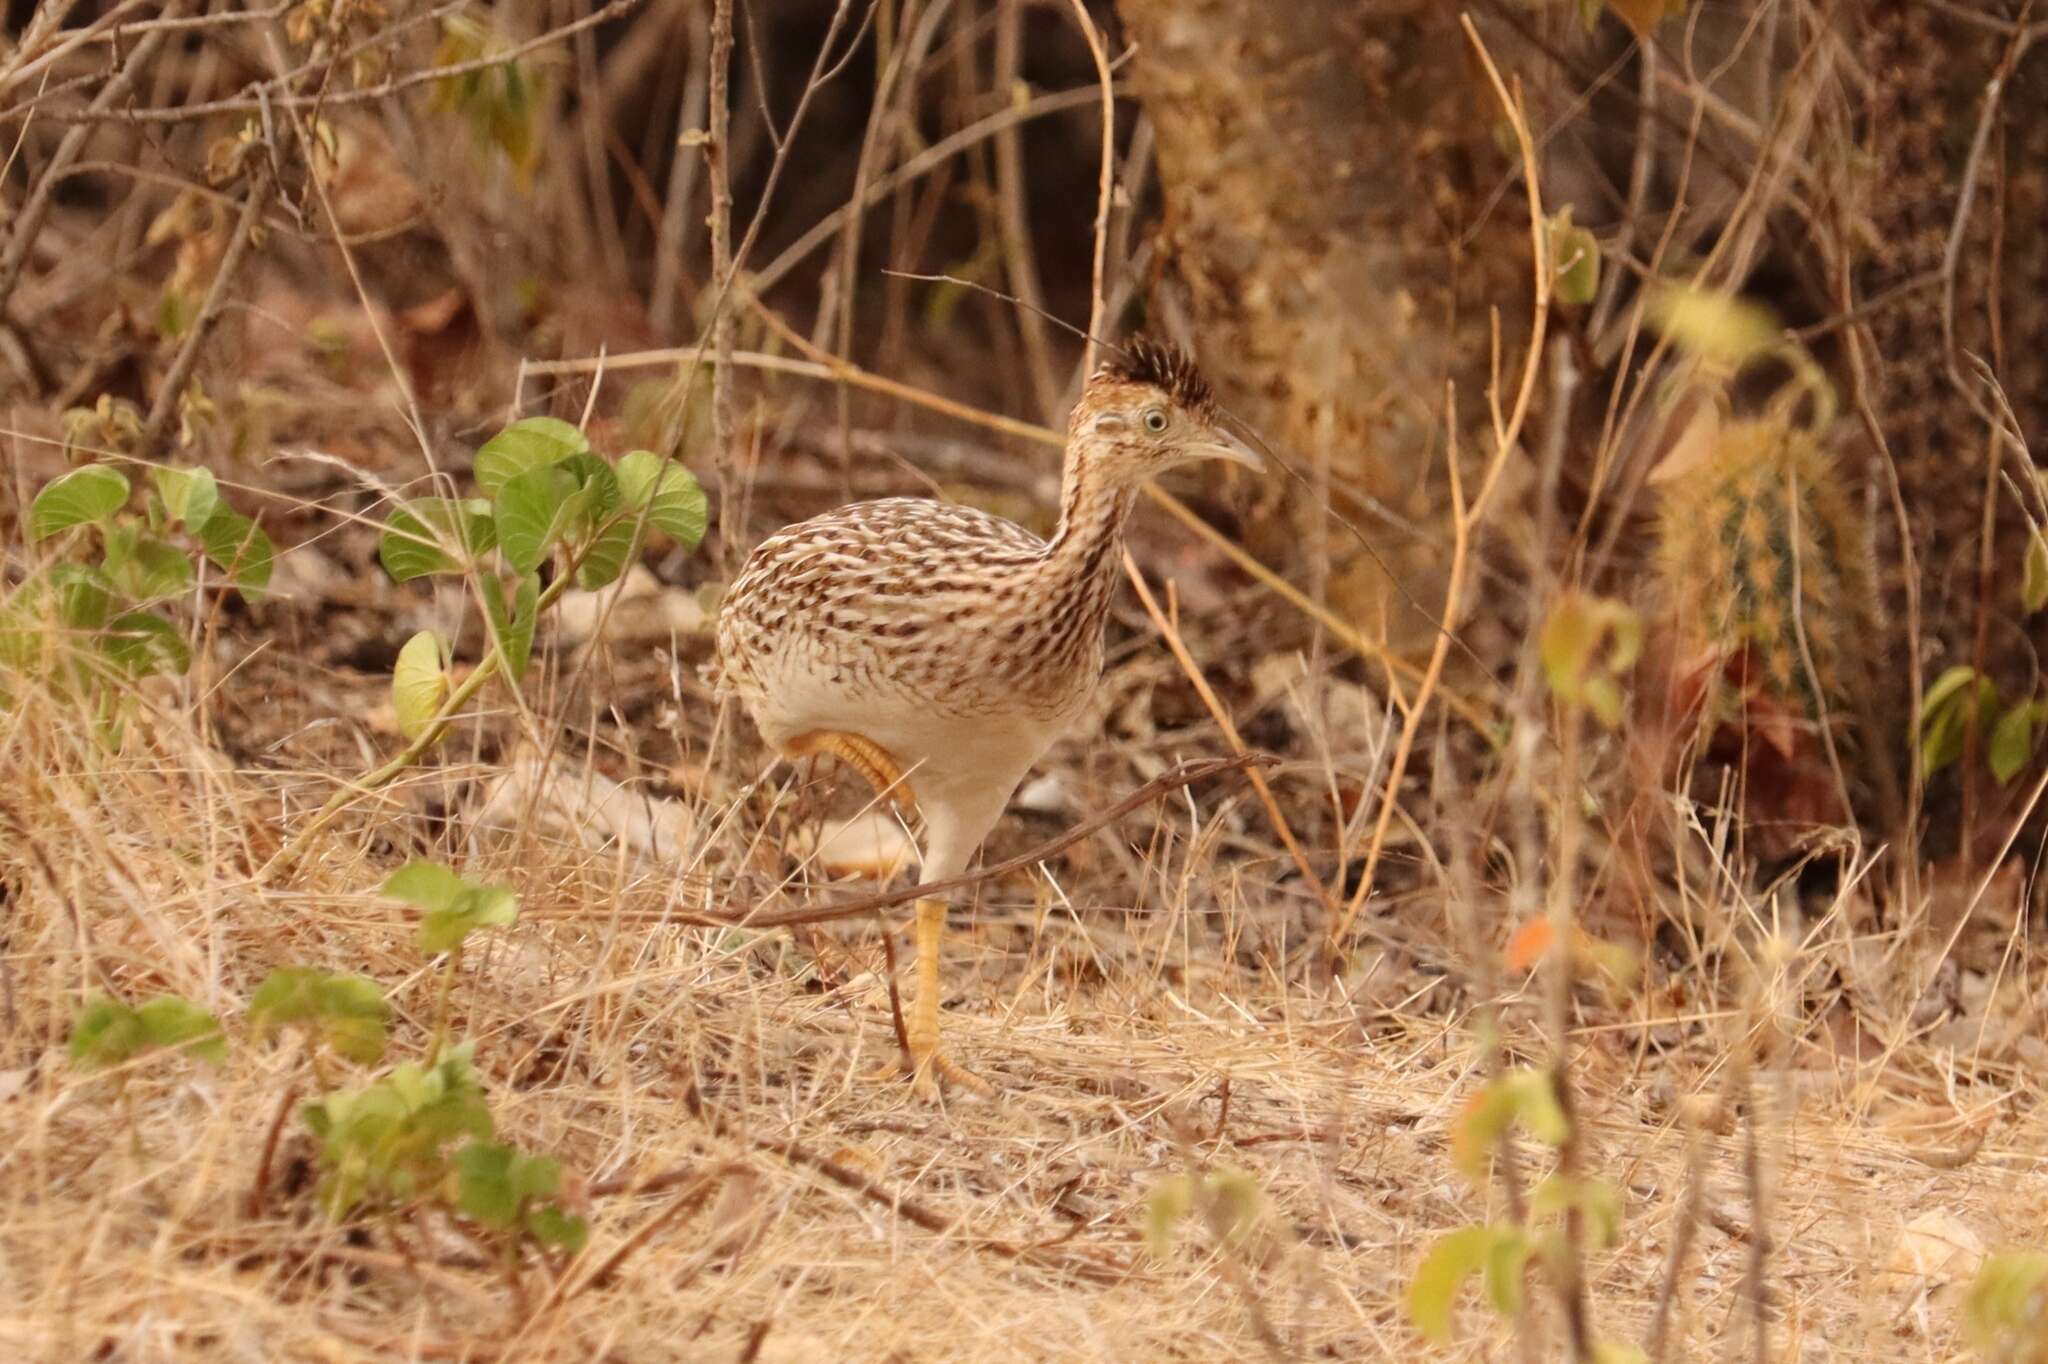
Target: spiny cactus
[{"x": 1766, "y": 566}]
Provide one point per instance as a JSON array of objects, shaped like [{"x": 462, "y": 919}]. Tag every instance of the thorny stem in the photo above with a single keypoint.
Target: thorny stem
[{"x": 1564, "y": 884}]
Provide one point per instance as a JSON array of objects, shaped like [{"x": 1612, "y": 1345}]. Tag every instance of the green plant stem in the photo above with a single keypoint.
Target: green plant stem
[
  {"x": 381, "y": 776},
  {"x": 442, "y": 996}
]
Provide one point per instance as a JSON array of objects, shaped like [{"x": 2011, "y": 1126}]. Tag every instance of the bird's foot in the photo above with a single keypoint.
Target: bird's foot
[{"x": 929, "y": 1066}]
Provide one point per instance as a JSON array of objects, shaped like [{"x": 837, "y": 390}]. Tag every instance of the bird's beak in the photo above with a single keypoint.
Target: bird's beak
[{"x": 1223, "y": 445}]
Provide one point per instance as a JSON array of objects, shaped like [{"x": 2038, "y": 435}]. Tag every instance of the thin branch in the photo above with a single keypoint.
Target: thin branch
[
  {"x": 1106, "y": 175},
  {"x": 1187, "y": 774},
  {"x": 29, "y": 221}
]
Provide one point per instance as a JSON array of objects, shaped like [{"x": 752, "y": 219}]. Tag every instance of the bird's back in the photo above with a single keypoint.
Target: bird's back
[{"x": 888, "y": 614}]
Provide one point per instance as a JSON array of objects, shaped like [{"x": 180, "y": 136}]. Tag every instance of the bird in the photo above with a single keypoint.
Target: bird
[{"x": 939, "y": 651}]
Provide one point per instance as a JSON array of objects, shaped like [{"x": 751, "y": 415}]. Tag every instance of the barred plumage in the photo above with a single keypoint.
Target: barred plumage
[{"x": 941, "y": 650}]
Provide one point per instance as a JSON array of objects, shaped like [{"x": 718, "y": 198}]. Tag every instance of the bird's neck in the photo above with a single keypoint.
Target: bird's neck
[{"x": 1091, "y": 530}]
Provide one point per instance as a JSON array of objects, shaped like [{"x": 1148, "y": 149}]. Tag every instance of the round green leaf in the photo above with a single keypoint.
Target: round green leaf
[
  {"x": 170, "y": 1022},
  {"x": 423, "y": 536},
  {"x": 1433, "y": 1292},
  {"x": 419, "y": 683},
  {"x": 140, "y": 643},
  {"x": 675, "y": 503},
  {"x": 78, "y": 498},
  {"x": 239, "y": 548},
  {"x": 533, "y": 508},
  {"x": 522, "y": 447},
  {"x": 424, "y": 885},
  {"x": 190, "y": 495}
]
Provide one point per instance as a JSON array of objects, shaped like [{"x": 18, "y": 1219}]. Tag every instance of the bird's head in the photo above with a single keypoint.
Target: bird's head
[{"x": 1146, "y": 410}]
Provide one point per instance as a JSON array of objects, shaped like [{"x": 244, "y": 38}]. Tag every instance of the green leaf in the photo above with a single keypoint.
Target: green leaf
[
  {"x": 76, "y": 499},
  {"x": 84, "y": 597},
  {"x": 533, "y": 509},
  {"x": 140, "y": 643},
  {"x": 1615, "y": 1352},
  {"x": 2034, "y": 577},
  {"x": 1574, "y": 259},
  {"x": 104, "y": 1032},
  {"x": 444, "y": 929},
  {"x": 173, "y": 1023},
  {"x": 239, "y": 548},
  {"x": 1521, "y": 1095},
  {"x": 522, "y": 447},
  {"x": 1959, "y": 702},
  {"x": 2013, "y": 739},
  {"x": 1597, "y": 1201},
  {"x": 607, "y": 555},
  {"x": 1570, "y": 649},
  {"x": 424, "y": 885},
  {"x": 678, "y": 507},
  {"x": 1506, "y": 1259},
  {"x": 1433, "y": 1292},
  {"x": 419, "y": 535},
  {"x": 1171, "y": 1199},
  {"x": 485, "y": 1189},
  {"x": 346, "y": 1013},
  {"x": 551, "y": 1226},
  {"x": 2005, "y": 1313},
  {"x": 155, "y": 569},
  {"x": 512, "y": 627},
  {"x": 190, "y": 495},
  {"x": 419, "y": 683}
]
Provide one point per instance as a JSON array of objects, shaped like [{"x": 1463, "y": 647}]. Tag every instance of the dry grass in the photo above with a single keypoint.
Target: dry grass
[
  {"x": 1135, "y": 1008},
  {"x": 1819, "y": 1105}
]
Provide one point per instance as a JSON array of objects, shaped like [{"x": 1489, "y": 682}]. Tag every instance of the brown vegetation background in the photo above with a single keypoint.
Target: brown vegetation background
[{"x": 326, "y": 249}]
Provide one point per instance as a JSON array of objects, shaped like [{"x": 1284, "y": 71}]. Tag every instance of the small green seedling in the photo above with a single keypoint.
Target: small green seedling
[
  {"x": 1499, "y": 1253},
  {"x": 1581, "y": 671},
  {"x": 450, "y": 910},
  {"x": 108, "y": 609},
  {"x": 345, "y": 1014},
  {"x": 384, "y": 1144},
  {"x": 1228, "y": 1201},
  {"x": 517, "y": 1196},
  {"x": 107, "y": 1034}
]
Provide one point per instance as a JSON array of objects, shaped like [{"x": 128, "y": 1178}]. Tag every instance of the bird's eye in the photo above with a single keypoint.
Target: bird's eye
[{"x": 1155, "y": 420}]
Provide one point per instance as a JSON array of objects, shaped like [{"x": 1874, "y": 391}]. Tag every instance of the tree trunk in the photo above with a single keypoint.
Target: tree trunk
[{"x": 1316, "y": 187}]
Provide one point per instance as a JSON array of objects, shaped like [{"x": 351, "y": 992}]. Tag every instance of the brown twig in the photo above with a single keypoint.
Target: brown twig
[
  {"x": 718, "y": 157},
  {"x": 1185, "y": 775},
  {"x": 29, "y": 221},
  {"x": 1105, "y": 175},
  {"x": 259, "y": 1188},
  {"x": 175, "y": 378},
  {"x": 1193, "y": 670},
  {"x": 1465, "y": 519}
]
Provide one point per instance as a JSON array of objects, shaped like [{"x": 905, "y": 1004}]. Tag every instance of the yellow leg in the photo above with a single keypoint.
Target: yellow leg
[
  {"x": 928, "y": 1063},
  {"x": 875, "y": 763},
  {"x": 881, "y": 770}
]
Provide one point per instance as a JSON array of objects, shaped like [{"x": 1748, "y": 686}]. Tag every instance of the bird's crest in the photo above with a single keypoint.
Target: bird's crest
[{"x": 1164, "y": 366}]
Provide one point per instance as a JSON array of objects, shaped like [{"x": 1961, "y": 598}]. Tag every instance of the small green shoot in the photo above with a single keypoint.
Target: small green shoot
[
  {"x": 345, "y": 1014},
  {"x": 383, "y": 1144}
]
